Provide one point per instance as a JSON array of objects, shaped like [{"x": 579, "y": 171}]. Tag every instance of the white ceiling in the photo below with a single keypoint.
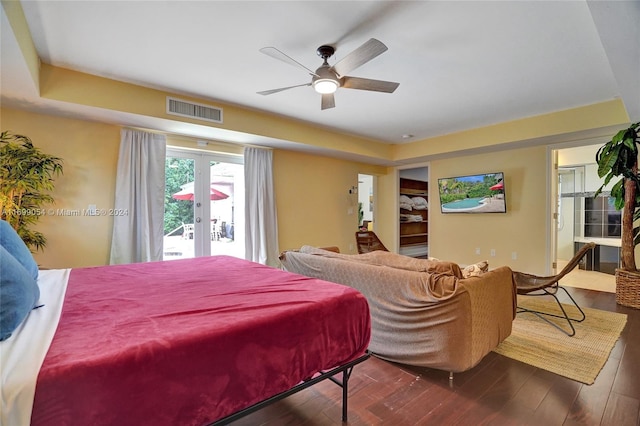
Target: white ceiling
[{"x": 460, "y": 65}]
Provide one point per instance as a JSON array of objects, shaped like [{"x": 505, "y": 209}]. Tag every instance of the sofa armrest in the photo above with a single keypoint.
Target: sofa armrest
[{"x": 493, "y": 301}]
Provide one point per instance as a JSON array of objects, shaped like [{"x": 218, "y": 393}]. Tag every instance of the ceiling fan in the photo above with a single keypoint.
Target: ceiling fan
[{"x": 327, "y": 79}]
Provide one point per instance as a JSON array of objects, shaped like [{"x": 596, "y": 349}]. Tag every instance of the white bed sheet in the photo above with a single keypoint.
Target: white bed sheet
[{"x": 22, "y": 355}]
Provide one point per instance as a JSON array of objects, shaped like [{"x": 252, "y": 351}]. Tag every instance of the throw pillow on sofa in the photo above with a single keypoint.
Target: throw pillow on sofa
[{"x": 476, "y": 269}]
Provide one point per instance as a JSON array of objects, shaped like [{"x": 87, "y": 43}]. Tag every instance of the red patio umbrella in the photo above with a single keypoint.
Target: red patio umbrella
[
  {"x": 497, "y": 187},
  {"x": 186, "y": 193}
]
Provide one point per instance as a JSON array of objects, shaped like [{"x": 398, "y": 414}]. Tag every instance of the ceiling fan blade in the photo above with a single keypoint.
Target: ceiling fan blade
[
  {"x": 277, "y": 54},
  {"x": 368, "y": 84},
  {"x": 360, "y": 56},
  {"x": 328, "y": 101},
  {"x": 272, "y": 91}
]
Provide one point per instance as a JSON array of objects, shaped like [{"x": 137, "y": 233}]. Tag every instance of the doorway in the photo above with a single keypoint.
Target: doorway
[
  {"x": 204, "y": 205},
  {"x": 581, "y": 218},
  {"x": 366, "y": 208},
  {"x": 413, "y": 207}
]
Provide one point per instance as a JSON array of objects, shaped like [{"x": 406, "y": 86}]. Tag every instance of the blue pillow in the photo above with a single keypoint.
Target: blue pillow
[
  {"x": 11, "y": 241},
  {"x": 19, "y": 293}
]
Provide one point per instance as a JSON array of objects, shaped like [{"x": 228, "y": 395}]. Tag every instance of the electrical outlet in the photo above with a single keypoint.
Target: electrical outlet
[
  {"x": 493, "y": 252},
  {"x": 351, "y": 247},
  {"x": 350, "y": 210},
  {"x": 477, "y": 250},
  {"x": 514, "y": 255}
]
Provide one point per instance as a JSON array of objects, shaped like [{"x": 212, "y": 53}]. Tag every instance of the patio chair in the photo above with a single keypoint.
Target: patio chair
[
  {"x": 215, "y": 230},
  {"x": 187, "y": 231},
  {"x": 368, "y": 241},
  {"x": 533, "y": 285}
]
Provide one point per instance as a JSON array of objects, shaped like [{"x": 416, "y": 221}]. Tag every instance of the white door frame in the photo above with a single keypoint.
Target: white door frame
[
  {"x": 202, "y": 206},
  {"x": 552, "y": 216},
  {"x": 593, "y": 137}
]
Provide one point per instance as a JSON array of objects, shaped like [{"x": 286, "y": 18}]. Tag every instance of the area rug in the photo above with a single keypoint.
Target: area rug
[{"x": 581, "y": 357}]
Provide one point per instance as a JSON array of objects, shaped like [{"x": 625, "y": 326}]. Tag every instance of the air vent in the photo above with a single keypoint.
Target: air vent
[{"x": 193, "y": 110}]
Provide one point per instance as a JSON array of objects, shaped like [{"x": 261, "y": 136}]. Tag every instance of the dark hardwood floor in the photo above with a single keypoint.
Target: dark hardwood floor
[{"x": 498, "y": 391}]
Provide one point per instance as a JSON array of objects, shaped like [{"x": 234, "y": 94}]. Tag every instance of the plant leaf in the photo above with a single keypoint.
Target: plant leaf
[{"x": 607, "y": 160}]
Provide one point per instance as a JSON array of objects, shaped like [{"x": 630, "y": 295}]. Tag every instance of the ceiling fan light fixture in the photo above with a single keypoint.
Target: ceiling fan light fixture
[
  {"x": 325, "y": 85},
  {"x": 327, "y": 79}
]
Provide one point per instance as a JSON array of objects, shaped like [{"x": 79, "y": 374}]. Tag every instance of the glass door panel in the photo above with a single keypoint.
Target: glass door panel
[
  {"x": 227, "y": 208},
  {"x": 179, "y": 229},
  {"x": 204, "y": 206}
]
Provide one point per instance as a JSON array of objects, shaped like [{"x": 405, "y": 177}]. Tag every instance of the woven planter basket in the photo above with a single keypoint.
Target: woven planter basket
[{"x": 628, "y": 288}]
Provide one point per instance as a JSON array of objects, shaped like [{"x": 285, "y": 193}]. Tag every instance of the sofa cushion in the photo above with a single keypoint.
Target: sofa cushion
[{"x": 392, "y": 260}]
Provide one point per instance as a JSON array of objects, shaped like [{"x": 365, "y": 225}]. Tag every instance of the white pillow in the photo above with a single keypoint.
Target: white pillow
[
  {"x": 420, "y": 203},
  {"x": 405, "y": 202}
]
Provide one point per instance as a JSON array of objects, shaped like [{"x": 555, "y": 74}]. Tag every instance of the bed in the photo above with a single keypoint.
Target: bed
[{"x": 190, "y": 342}]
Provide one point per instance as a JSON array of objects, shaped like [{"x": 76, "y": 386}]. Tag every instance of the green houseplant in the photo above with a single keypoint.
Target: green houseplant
[
  {"x": 619, "y": 158},
  {"x": 26, "y": 179}
]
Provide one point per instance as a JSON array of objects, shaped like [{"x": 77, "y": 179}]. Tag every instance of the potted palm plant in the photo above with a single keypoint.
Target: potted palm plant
[
  {"x": 619, "y": 158},
  {"x": 26, "y": 179}
]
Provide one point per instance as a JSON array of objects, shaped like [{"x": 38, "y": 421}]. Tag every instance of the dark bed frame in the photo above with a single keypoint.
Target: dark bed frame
[{"x": 345, "y": 369}]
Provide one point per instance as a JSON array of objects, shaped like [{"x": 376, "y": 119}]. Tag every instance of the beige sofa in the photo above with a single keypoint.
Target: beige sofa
[{"x": 423, "y": 312}]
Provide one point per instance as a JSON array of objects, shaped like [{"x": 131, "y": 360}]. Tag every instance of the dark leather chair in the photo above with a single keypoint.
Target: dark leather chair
[{"x": 368, "y": 241}]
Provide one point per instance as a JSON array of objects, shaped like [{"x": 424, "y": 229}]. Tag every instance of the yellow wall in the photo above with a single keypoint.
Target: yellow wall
[
  {"x": 90, "y": 154},
  {"x": 313, "y": 200},
  {"x": 522, "y": 229},
  {"x": 311, "y": 195},
  {"x": 311, "y": 191},
  {"x": 18, "y": 23},
  {"x": 84, "y": 89},
  {"x": 386, "y": 209}
]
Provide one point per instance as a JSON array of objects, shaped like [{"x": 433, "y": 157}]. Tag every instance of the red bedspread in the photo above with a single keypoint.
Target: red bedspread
[{"x": 186, "y": 342}]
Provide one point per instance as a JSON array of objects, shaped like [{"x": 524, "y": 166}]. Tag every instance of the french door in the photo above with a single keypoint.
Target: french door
[{"x": 204, "y": 205}]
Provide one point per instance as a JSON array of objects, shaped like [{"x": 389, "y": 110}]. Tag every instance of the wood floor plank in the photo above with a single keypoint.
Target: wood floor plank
[
  {"x": 488, "y": 407},
  {"x": 554, "y": 408},
  {"x": 589, "y": 406},
  {"x": 522, "y": 406},
  {"x": 621, "y": 411},
  {"x": 399, "y": 398},
  {"x": 627, "y": 381},
  {"x": 466, "y": 396},
  {"x": 420, "y": 406}
]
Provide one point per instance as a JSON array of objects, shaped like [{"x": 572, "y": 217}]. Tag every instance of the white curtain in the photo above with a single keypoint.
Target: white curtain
[
  {"x": 138, "y": 221},
  {"x": 261, "y": 222}
]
